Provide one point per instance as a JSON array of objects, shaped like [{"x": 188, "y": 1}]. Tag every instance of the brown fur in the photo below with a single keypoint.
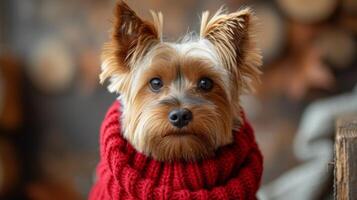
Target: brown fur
[{"x": 226, "y": 53}]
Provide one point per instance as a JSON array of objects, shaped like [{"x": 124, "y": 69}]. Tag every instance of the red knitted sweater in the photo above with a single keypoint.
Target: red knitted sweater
[{"x": 123, "y": 173}]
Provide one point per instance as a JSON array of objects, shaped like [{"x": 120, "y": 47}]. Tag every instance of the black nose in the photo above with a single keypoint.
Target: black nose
[{"x": 180, "y": 117}]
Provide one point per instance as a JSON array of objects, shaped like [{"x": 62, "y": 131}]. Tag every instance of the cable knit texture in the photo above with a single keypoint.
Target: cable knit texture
[{"x": 123, "y": 173}]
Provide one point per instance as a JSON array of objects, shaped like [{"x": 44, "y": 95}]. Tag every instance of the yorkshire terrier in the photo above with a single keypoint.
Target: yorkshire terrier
[{"x": 180, "y": 101}]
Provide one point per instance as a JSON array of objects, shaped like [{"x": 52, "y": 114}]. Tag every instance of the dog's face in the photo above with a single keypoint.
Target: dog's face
[{"x": 180, "y": 100}]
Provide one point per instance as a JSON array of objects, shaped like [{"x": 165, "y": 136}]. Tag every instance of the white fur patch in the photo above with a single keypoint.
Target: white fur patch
[{"x": 201, "y": 48}]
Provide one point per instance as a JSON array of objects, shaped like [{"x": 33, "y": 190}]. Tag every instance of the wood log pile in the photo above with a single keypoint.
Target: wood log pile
[{"x": 319, "y": 42}]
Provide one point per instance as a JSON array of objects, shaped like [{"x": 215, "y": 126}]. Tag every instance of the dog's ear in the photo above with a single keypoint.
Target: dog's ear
[
  {"x": 233, "y": 37},
  {"x": 131, "y": 39}
]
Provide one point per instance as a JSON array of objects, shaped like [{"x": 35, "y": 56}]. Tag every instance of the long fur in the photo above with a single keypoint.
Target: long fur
[
  {"x": 233, "y": 35},
  {"x": 225, "y": 51}
]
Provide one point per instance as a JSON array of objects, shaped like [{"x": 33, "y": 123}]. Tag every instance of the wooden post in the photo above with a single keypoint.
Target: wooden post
[{"x": 345, "y": 180}]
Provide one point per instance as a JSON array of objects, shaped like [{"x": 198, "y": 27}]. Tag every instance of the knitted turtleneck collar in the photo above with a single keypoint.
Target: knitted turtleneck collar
[{"x": 123, "y": 173}]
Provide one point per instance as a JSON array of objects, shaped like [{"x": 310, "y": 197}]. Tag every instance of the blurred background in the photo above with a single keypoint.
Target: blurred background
[{"x": 51, "y": 104}]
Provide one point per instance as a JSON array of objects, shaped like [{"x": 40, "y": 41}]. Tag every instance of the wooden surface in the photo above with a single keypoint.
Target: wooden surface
[{"x": 346, "y": 159}]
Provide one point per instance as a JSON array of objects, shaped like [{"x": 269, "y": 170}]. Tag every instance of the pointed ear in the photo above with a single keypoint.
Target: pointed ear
[
  {"x": 233, "y": 37},
  {"x": 131, "y": 39}
]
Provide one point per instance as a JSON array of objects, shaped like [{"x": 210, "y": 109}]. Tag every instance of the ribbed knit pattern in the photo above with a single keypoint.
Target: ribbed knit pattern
[{"x": 123, "y": 173}]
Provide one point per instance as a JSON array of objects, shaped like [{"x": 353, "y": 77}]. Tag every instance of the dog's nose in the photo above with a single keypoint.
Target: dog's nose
[{"x": 180, "y": 117}]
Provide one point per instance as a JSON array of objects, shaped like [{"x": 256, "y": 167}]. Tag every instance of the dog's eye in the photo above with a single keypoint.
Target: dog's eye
[
  {"x": 156, "y": 84},
  {"x": 205, "y": 84}
]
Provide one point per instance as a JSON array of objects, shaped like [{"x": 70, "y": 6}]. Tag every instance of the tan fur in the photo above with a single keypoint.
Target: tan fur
[
  {"x": 233, "y": 35},
  {"x": 131, "y": 39},
  {"x": 225, "y": 53},
  {"x": 146, "y": 124}
]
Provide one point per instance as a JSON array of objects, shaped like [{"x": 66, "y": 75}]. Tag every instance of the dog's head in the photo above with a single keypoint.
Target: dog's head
[{"x": 180, "y": 100}]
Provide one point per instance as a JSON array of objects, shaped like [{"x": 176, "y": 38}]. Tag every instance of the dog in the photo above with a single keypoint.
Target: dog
[
  {"x": 181, "y": 100},
  {"x": 177, "y": 130}
]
